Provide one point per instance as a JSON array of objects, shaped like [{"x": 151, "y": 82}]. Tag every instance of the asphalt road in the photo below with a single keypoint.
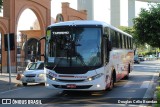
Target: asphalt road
[{"x": 140, "y": 85}]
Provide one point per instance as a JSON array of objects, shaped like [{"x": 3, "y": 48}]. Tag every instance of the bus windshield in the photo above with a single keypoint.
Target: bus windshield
[{"x": 74, "y": 47}]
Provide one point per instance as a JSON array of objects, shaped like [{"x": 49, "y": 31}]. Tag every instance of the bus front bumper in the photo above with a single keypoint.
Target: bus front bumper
[{"x": 94, "y": 85}]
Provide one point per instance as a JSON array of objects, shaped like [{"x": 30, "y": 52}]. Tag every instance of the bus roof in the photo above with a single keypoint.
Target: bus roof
[{"x": 87, "y": 23}]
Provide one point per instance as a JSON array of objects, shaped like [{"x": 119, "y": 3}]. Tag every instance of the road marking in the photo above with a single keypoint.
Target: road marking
[
  {"x": 128, "y": 84},
  {"x": 145, "y": 84},
  {"x": 11, "y": 90},
  {"x": 150, "y": 90}
]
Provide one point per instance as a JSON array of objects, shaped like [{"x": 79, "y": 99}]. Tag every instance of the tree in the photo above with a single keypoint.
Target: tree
[
  {"x": 147, "y": 26},
  {"x": 131, "y": 31},
  {"x": 1, "y": 3},
  {"x": 128, "y": 30}
]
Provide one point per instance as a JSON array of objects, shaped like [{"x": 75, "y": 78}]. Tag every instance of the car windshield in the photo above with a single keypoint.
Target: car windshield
[
  {"x": 35, "y": 66},
  {"x": 75, "y": 47}
]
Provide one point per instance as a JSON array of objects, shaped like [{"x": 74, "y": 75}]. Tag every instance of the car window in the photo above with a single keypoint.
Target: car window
[
  {"x": 35, "y": 65},
  {"x": 28, "y": 66},
  {"x": 32, "y": 66},
  {"x": 41, "y": 66}
]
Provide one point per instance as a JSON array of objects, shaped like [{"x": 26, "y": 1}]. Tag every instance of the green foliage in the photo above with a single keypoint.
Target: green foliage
[
  {"x": 131, "y": 31},
  {"x": 158, "y": 96},
  {"x": 147, "y": 26},
  {"x": 1, "y": 3},
  {"x": 128, "y": 30},
  {"x": 146, "y": 53}
]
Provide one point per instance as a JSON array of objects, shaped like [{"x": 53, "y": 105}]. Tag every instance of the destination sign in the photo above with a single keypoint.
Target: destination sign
[{"x": 60, "y": 33}]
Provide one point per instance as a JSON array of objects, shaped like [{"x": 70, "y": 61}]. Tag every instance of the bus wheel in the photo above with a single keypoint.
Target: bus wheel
[
  {"x": 111, "y": 83},
  {"x": 127, "y": 76}
]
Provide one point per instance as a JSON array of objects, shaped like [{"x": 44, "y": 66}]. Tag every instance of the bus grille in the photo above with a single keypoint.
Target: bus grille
[
  {"x": 77, "y": 87},
  {"x": 63, "y": 80}
]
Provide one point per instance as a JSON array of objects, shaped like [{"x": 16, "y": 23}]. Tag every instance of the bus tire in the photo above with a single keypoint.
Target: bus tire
[
  {"x": 127, "y": 76},
  {"x": 112, "y": 81}
]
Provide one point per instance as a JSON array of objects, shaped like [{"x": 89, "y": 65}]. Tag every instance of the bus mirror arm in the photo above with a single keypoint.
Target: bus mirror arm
[
  {"x": 107, "y": 60},
  {"x": 38, "y": 51}
]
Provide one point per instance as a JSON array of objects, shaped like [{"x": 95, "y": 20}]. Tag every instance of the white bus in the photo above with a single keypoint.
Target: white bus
[{"x": 86, "y": 55}]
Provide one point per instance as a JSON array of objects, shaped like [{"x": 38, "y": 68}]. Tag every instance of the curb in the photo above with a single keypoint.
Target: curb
[
  {"x": 155, "y": 91},
  {"x": 4, "y": 82},
  {"x": 150, "y": 93}
]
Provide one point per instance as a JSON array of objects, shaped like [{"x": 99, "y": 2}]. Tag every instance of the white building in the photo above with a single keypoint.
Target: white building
[
  {"x": 99, "y": 9},
  {"x": 86, "y": 5}
]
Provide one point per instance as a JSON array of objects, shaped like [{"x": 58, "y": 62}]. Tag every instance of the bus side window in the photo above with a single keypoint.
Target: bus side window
[
  {"x": 116, "y": 40},
  {"x": 129, "y": 42},
  {"x": 124, "y": 37},
  {"x": 113, "y": 38},
  {"x": 120, "y": 40}
]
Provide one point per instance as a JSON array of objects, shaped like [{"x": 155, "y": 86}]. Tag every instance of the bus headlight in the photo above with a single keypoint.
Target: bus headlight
[
  {"x": 53, "y": 79},
  {"x": 95, "y": 77},
  {"x": 50, "y": 77}
]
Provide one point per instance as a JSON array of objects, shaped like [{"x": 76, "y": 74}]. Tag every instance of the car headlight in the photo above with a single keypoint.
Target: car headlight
[
  {"x": 41, "y": 75},
  {"x": 22, "y": 75},
  {"x": 95, "y": 77}
]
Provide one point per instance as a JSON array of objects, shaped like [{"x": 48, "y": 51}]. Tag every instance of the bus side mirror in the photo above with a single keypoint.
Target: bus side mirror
[
  {"x": 109, "y": 46},
  {"x": 38, "y": 51}
]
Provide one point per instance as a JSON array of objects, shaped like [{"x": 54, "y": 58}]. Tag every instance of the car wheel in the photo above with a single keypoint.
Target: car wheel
[
  {"x": 42, "y": 84},
  {"x": 24, "y": 84}
]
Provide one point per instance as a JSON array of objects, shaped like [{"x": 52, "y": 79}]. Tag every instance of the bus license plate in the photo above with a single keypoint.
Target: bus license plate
[{"x": 71, "y": 85}]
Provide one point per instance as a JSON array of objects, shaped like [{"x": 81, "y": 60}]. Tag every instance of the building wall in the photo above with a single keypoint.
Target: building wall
[
  {"x": 4, "y": 29},
  {"x": 12, "y": 10},
  {"x": 72, "y": 14}
]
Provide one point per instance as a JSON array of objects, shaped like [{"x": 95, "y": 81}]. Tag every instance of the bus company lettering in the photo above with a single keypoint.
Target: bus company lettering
[
  {"x": 116, "y": 56},
  {"x": 61, "y": 33}
]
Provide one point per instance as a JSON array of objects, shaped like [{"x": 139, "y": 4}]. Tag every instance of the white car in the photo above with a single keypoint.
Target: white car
[{"x": 34, "y": 73}]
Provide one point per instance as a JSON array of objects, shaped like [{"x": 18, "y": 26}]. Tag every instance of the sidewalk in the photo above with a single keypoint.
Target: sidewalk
[{"x": 4, "y": 82}]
